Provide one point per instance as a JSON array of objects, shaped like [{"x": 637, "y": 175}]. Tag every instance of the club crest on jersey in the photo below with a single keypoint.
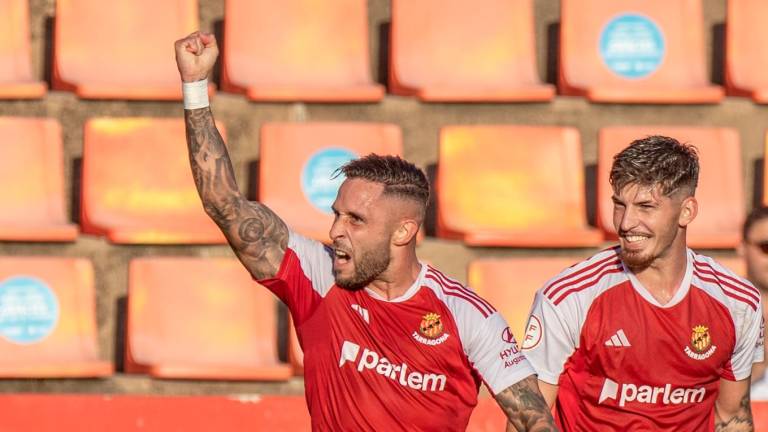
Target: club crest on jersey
[
  {"x": 431, "y": 330},
  {"x": 701, "y": 344}
]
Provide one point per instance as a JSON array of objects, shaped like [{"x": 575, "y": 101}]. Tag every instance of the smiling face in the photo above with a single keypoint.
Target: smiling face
[
  {"x": 649, "y": 223},
  {"x": 361, "y": 233}
]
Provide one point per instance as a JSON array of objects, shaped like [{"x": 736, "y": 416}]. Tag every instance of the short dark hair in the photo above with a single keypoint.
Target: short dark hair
[
  {"x": 656, "y": 160},
  {"x": 756, "y": 215},
  {"x": 399, "y": 177}
]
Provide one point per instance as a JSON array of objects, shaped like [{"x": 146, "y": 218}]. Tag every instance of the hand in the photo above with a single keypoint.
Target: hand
[{"x": 195, "y": 56}]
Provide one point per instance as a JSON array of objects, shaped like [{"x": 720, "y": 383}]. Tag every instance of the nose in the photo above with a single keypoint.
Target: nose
[
  {"x": 625, "y": 219},
  {"x": 336, "y": 230}
]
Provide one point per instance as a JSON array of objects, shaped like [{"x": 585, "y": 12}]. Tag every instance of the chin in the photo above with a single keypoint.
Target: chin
[
  {"x": 350, "y": 283},
  {"x": 636, "y": 260}
]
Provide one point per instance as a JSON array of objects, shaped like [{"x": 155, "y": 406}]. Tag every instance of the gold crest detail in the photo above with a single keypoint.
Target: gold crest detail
[
  {"x": 700, "y": 339},
  {"x": 431, "y": 326}
]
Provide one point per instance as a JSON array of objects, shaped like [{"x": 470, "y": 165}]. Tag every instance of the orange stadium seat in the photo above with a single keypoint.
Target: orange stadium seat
[
  {"x": 48, "y": 319},
  {"x": 519, "y": 186},
  {"x": 145, "y": 413},
  {"x": 721, "y": 186},
  {"x": 298, "y": 50},
  {"x": 297, "y": 161},
  {"x": 471, "y": 51},
  {"x": 32, "y": 174},
  {"x": 635, "y": 51},
  {"x": 137, "y": 185},
  {"x": 120, "y": 49},
  {"x": 746, "y": 56},
  {"x": 16, "y": 77},
  {"x": 510, "y": 284},
  {"x": 200, "y": 318}
]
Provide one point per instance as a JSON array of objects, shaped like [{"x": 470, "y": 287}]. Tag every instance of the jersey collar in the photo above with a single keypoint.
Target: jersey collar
[
  {"x": 408, "y": 294},
  {"x": 682, "y": 291}
]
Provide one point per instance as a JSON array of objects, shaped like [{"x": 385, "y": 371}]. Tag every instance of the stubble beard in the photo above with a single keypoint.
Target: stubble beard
[
  {"x": 636, "y": 261},
  {"x": 371, "y": 264}
]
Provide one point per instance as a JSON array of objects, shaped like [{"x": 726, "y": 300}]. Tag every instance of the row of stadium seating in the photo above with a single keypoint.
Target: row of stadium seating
[
  {"x": 515, "y": 186},
  {"x": 615, "y": 51},
  {"x": 128, "y": 413},
  {"x": 190, "y": 317}
]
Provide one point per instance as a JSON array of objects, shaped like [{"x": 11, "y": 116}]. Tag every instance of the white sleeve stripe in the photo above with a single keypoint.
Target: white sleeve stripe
[
  {"x": 576, "y": 272},
  {"x": 447, "y": 291},
  {"x": 742, "y": 284},
  {"x": 585, "y": 274},
  {"x": 447, "y": 282},
  {"x": 749, "y": 292},
  {"x": 315, "y": 262},
  {"x": 728, "y": 292},
  {"x": 607, "y": 270}
]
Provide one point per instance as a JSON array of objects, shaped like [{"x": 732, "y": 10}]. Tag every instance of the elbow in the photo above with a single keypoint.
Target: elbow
[{"x": 222, "y": 210}]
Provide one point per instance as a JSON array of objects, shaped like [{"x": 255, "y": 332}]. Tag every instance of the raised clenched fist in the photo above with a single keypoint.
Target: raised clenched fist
[{"x": 195, "y": 56}]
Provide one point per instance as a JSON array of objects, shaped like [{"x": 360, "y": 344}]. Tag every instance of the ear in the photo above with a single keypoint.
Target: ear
[
  {"x": 405, "y": 233},
  {"x": 688, "y": 212}
]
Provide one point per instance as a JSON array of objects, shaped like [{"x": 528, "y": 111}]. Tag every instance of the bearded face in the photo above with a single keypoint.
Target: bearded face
[{"x": 647, "y": 223}]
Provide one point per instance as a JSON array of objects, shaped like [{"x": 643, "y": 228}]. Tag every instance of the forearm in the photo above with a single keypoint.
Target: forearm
[
  {"x": 256, "y": 234},
  {"x": 211, "y": 167},
  {"x": 739, "y": 420},
  {"x": 525, "y": 408}
]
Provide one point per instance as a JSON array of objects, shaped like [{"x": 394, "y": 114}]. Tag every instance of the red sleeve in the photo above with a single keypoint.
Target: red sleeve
[{"x": 294, "y": 288}]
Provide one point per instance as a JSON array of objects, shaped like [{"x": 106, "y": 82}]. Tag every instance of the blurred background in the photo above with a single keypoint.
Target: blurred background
[{"x": 114, "y": 282}]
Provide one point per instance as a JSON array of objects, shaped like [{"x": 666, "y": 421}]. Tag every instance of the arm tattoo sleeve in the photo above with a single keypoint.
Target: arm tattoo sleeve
[
  {"x": 741, "y": 422},
  {"x": 256, "y": 234},
  {"x": 525, "y": 407}
]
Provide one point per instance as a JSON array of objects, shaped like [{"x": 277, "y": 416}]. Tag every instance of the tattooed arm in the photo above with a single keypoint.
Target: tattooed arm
[
  {"x": 525, "y": 407},
  {"x": 256, "y": 234},
  {"x": 733, "y": 412}
]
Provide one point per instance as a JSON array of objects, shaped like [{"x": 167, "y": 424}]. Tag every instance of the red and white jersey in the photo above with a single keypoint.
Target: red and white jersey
[
  {"x": 412, "y": 363},
  {"x": 624, "y": 362}
]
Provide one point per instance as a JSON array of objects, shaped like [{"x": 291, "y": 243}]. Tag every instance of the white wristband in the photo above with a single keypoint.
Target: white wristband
[{"x": 195, "y": 94}]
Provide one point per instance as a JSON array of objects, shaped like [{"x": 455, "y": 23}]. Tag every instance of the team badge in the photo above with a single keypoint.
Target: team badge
[
  {"x": 701, "y": 347},
  {"x": 431, "y": 330},
  {"x": 431, "y": 326}
]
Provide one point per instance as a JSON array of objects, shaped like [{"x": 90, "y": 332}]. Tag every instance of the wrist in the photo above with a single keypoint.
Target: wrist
[{"x": 195, "y": 94}]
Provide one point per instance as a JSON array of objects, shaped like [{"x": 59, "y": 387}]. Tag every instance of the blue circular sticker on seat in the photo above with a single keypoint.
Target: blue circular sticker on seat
[
  {"x": 632, "y": 46},
  {"x": 317, "y": 180},
  {"x": 29, "y": 310}
]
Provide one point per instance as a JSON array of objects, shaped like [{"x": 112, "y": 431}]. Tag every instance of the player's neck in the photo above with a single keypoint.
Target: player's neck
[
  {"x": 398, "y": 278},
  {"x": 664, "y": 276}
]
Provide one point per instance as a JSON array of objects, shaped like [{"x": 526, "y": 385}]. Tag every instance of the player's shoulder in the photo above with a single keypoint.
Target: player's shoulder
[
  {"x": 460, "y": 300},
  {"x": 585, "y": 280},
  {"x": 720, "y": 282}
]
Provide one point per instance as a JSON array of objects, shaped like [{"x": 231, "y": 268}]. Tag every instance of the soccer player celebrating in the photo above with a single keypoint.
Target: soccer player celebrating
[
  {"x": 390, "y": 344},
  {"x": 648, "y": 335}
]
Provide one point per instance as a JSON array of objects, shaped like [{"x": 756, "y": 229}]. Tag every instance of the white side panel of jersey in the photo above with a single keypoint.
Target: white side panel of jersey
[
  {"x": 554, "y": 330},
  {"x": 316, "y": 261},
  {"x": 484, "y": 334},
  {"x": 748, "y": 321}
]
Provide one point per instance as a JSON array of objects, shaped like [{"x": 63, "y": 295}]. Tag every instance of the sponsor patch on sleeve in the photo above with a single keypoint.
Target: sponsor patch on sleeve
[{"x": 533, "y": 333}]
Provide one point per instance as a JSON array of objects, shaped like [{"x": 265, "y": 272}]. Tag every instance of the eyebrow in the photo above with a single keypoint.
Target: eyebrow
[
  {"x": 353, "y": 214},
  {"x": 617, "y": 200}
]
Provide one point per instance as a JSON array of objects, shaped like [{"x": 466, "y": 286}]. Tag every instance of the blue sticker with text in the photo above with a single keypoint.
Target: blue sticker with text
[
  {"x": 317, "y": 181},
  {"x": 632, "y": 46},
  {"x": 29, "y": 310}
]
